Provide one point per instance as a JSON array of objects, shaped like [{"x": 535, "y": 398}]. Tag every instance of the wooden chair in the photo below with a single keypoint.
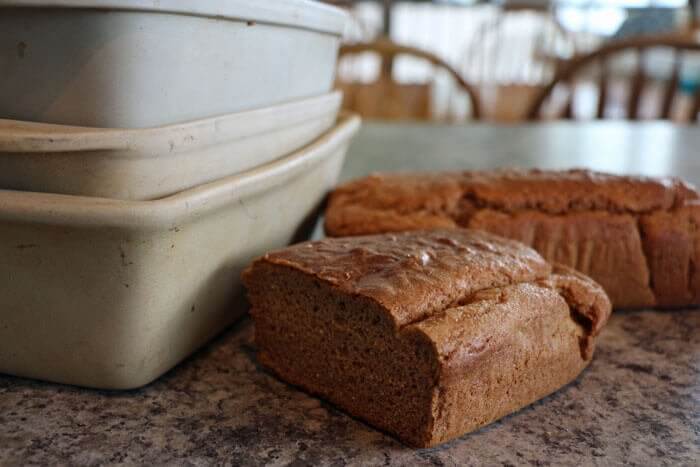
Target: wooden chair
[
  {"x": 388, "y": 99},
  {"x": 602, "y": 57},
  {"x": 514, "y": 45}
]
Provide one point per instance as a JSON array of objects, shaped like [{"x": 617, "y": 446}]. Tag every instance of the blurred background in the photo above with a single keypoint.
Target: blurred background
[{"x": 514, "y": 60}]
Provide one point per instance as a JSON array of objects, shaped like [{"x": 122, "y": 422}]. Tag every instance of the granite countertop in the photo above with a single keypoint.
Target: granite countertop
[{"x": 638, "y": 403}]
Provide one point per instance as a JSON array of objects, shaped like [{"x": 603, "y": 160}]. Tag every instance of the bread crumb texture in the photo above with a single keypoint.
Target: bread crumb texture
[{"x": 424, "y": 334}]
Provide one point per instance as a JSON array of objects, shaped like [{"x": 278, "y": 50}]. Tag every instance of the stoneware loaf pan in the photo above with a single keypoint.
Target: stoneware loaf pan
[
  {"x": 143, "y": 164},
  {"x": 144, "y": 63},
  {"x": 111, "y": 294}
]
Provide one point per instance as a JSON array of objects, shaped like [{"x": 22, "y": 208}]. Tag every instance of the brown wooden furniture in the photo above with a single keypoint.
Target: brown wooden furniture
[
  {"x": 602, "y": 57},
  {"x": 508, "y": 47},
  {"x": 385, "y": 98}
]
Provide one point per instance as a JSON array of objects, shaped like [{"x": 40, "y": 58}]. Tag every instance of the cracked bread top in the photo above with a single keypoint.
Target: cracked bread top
[
  {"x": 418, "y": 274},
  {"x": 558, "y": 192},
  {"x": 402, "y": 201}
]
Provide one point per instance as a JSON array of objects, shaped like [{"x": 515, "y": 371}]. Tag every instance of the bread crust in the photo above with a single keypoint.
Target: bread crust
[
  {"x": 636, "y": 236},
  {"x": 426, "y": 334}
]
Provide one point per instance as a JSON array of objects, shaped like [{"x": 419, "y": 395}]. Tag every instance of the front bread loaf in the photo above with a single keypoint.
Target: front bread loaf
[
  {"x": 426, "y": 334},
  {"x": 638, "y": 237}
]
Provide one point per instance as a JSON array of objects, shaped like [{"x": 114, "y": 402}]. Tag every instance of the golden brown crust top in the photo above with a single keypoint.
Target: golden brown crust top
[
  {"x": 558, "y": 192},
  {"x": 582, "y": 294},
  {"x": 414, "y": 275},
  {"x": 587, "y": 301},
  {"x": 400, "y": 201},
  {"x": 470, "y": 331}
]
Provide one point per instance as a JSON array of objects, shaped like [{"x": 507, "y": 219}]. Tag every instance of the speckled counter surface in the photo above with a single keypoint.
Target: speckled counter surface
[{"x": 637, "y": 404}]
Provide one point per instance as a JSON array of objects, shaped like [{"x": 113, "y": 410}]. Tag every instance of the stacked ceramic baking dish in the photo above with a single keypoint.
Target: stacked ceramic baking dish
[{"x": 149, "y": 150}]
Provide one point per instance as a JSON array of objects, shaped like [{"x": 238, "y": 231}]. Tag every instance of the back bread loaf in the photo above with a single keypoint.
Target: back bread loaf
[
  {"x": 427, "y": 335},
  {"x": 638, "y": 237}
]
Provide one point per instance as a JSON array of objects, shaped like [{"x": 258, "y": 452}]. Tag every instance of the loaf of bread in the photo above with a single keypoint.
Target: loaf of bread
[
  {"x": 637, "y": 237},
  {"x": 427, "y": 334}
]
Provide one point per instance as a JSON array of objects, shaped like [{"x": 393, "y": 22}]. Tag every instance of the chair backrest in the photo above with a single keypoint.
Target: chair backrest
[
  {"x": 603, "y": 57},
  {"x": 515, "y": 46},
  {"x": 388, "y": 51}
]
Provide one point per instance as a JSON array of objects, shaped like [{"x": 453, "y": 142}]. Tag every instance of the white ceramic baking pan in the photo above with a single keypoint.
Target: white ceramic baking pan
[
  {"x": 111, "y": 294},
  {"x": 143, "y": 164},
  {"x": 144, "y": 63}
]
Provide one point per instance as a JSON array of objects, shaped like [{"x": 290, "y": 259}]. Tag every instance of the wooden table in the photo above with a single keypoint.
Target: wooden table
[{"x": 637, "y": 404}]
